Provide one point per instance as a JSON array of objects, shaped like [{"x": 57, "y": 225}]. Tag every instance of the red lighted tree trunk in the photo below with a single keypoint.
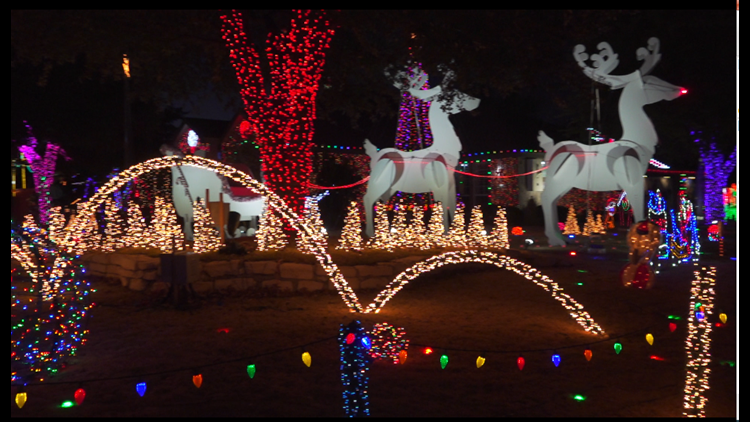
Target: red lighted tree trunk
[{"x": 283, "y": 117}]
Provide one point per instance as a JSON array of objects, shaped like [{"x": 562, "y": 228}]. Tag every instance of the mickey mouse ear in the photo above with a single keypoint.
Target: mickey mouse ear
[{"x": 642, "y": 227}]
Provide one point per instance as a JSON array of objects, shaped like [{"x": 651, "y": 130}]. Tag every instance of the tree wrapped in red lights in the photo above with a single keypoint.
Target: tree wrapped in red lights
[{"x": 283, "y": 116}]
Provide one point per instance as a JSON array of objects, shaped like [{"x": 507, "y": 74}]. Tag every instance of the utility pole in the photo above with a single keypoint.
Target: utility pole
[{"x": 127, "y": 142}]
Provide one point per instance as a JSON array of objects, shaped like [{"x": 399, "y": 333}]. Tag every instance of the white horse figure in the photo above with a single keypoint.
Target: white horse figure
[
  {"x": 425, "y": 170},
  {"x": 190, "y": 183},
  {"x": 616, "y": 165}
]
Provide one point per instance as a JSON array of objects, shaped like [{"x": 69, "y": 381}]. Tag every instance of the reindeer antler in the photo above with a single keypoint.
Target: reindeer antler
[
  {"x": 404, "y": 80},
  {"x": 650, "y": 59},
  {"x": 604, "y": 62}
]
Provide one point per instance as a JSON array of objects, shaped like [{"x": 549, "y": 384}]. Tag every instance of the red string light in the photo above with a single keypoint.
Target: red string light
[{"x": 314, "y": 186}]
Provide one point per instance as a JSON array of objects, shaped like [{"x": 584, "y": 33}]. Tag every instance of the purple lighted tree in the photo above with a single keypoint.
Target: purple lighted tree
[
  {"x": 413, "y": 132},
  {"x": 43, "y": 169},
  {"x": 716, "y": 171},
  {"x": 413, "y": 125}
]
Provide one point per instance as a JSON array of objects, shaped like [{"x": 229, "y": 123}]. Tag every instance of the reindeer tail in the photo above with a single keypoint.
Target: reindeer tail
[
  {"x": 370, "y": 149},
  {"x": 545, "y": 141}
]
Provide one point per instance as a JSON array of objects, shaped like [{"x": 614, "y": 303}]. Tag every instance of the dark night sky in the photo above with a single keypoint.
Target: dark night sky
[{"x": 86, "y": 118}]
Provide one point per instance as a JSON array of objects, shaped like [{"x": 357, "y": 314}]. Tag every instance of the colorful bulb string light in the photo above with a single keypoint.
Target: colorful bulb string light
[{"x": 359, "y": 349}]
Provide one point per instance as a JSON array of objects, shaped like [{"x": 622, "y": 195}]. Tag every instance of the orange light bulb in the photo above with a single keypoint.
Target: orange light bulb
[{"x": 198, "y": 380}]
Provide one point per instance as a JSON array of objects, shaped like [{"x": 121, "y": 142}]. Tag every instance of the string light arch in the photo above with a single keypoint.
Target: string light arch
[
  {"x": 334, "y": 274},
  {"x": 574, "y": 308},
  {"x": 88, "y": 209}
]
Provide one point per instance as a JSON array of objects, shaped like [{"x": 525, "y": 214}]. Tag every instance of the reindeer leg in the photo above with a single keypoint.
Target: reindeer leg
[
  {"x": 443, "y": 188},
  {"x": 635, "y": 186},
  {"x": 450, "y": 209},
  {"x": 381, "y": 180},
  {"x": 637, "y": 201},
  {"x": 550, "y": 196}
]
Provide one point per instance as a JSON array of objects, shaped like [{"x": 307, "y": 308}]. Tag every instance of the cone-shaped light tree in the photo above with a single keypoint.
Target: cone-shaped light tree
[
  {"x": 351, "y": 234},
  {"x": 205, "y": 235}
]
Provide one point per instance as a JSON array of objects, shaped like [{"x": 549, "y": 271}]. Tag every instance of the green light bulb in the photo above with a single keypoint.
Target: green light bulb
[
  {"x": 251, "y": 371},
  {"x": 618, "y": 348},
  {"x": 443, "y": 361}
]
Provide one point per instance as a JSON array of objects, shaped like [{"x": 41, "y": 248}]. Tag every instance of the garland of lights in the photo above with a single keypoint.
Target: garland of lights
[
  {"x": 49, "y": 308},
  {"x": 282, "y": 118}
]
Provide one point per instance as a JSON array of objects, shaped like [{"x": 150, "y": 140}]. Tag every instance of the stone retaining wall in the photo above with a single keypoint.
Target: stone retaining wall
[{"x": 143, "y": 273}]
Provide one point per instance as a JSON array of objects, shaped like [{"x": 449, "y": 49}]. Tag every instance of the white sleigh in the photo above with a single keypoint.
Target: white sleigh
[
  {"x": 617, "y": 165},
  {"x": 190, "y": 183},
  {"x": 426, "y": 170}
]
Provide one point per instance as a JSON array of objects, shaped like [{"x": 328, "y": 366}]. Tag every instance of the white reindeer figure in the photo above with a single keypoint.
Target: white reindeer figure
[
  {"x": 426, "y": 170},
  {"x": 616, "y": 165}
]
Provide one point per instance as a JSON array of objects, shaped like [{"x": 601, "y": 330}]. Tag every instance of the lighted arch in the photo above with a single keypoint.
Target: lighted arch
[
  {"x": 75, "y": 230},
  {"x": 462, "y": 257}
]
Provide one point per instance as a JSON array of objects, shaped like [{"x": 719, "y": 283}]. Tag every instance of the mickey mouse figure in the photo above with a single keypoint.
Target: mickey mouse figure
[{"x": 644, "y": 239}]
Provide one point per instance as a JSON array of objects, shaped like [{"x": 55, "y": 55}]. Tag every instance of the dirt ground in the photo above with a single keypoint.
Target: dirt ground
[{"x": 463, "y": 311}]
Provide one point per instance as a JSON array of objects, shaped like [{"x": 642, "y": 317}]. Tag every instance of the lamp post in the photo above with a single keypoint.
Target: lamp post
[{"x": 127, "y": 156}]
